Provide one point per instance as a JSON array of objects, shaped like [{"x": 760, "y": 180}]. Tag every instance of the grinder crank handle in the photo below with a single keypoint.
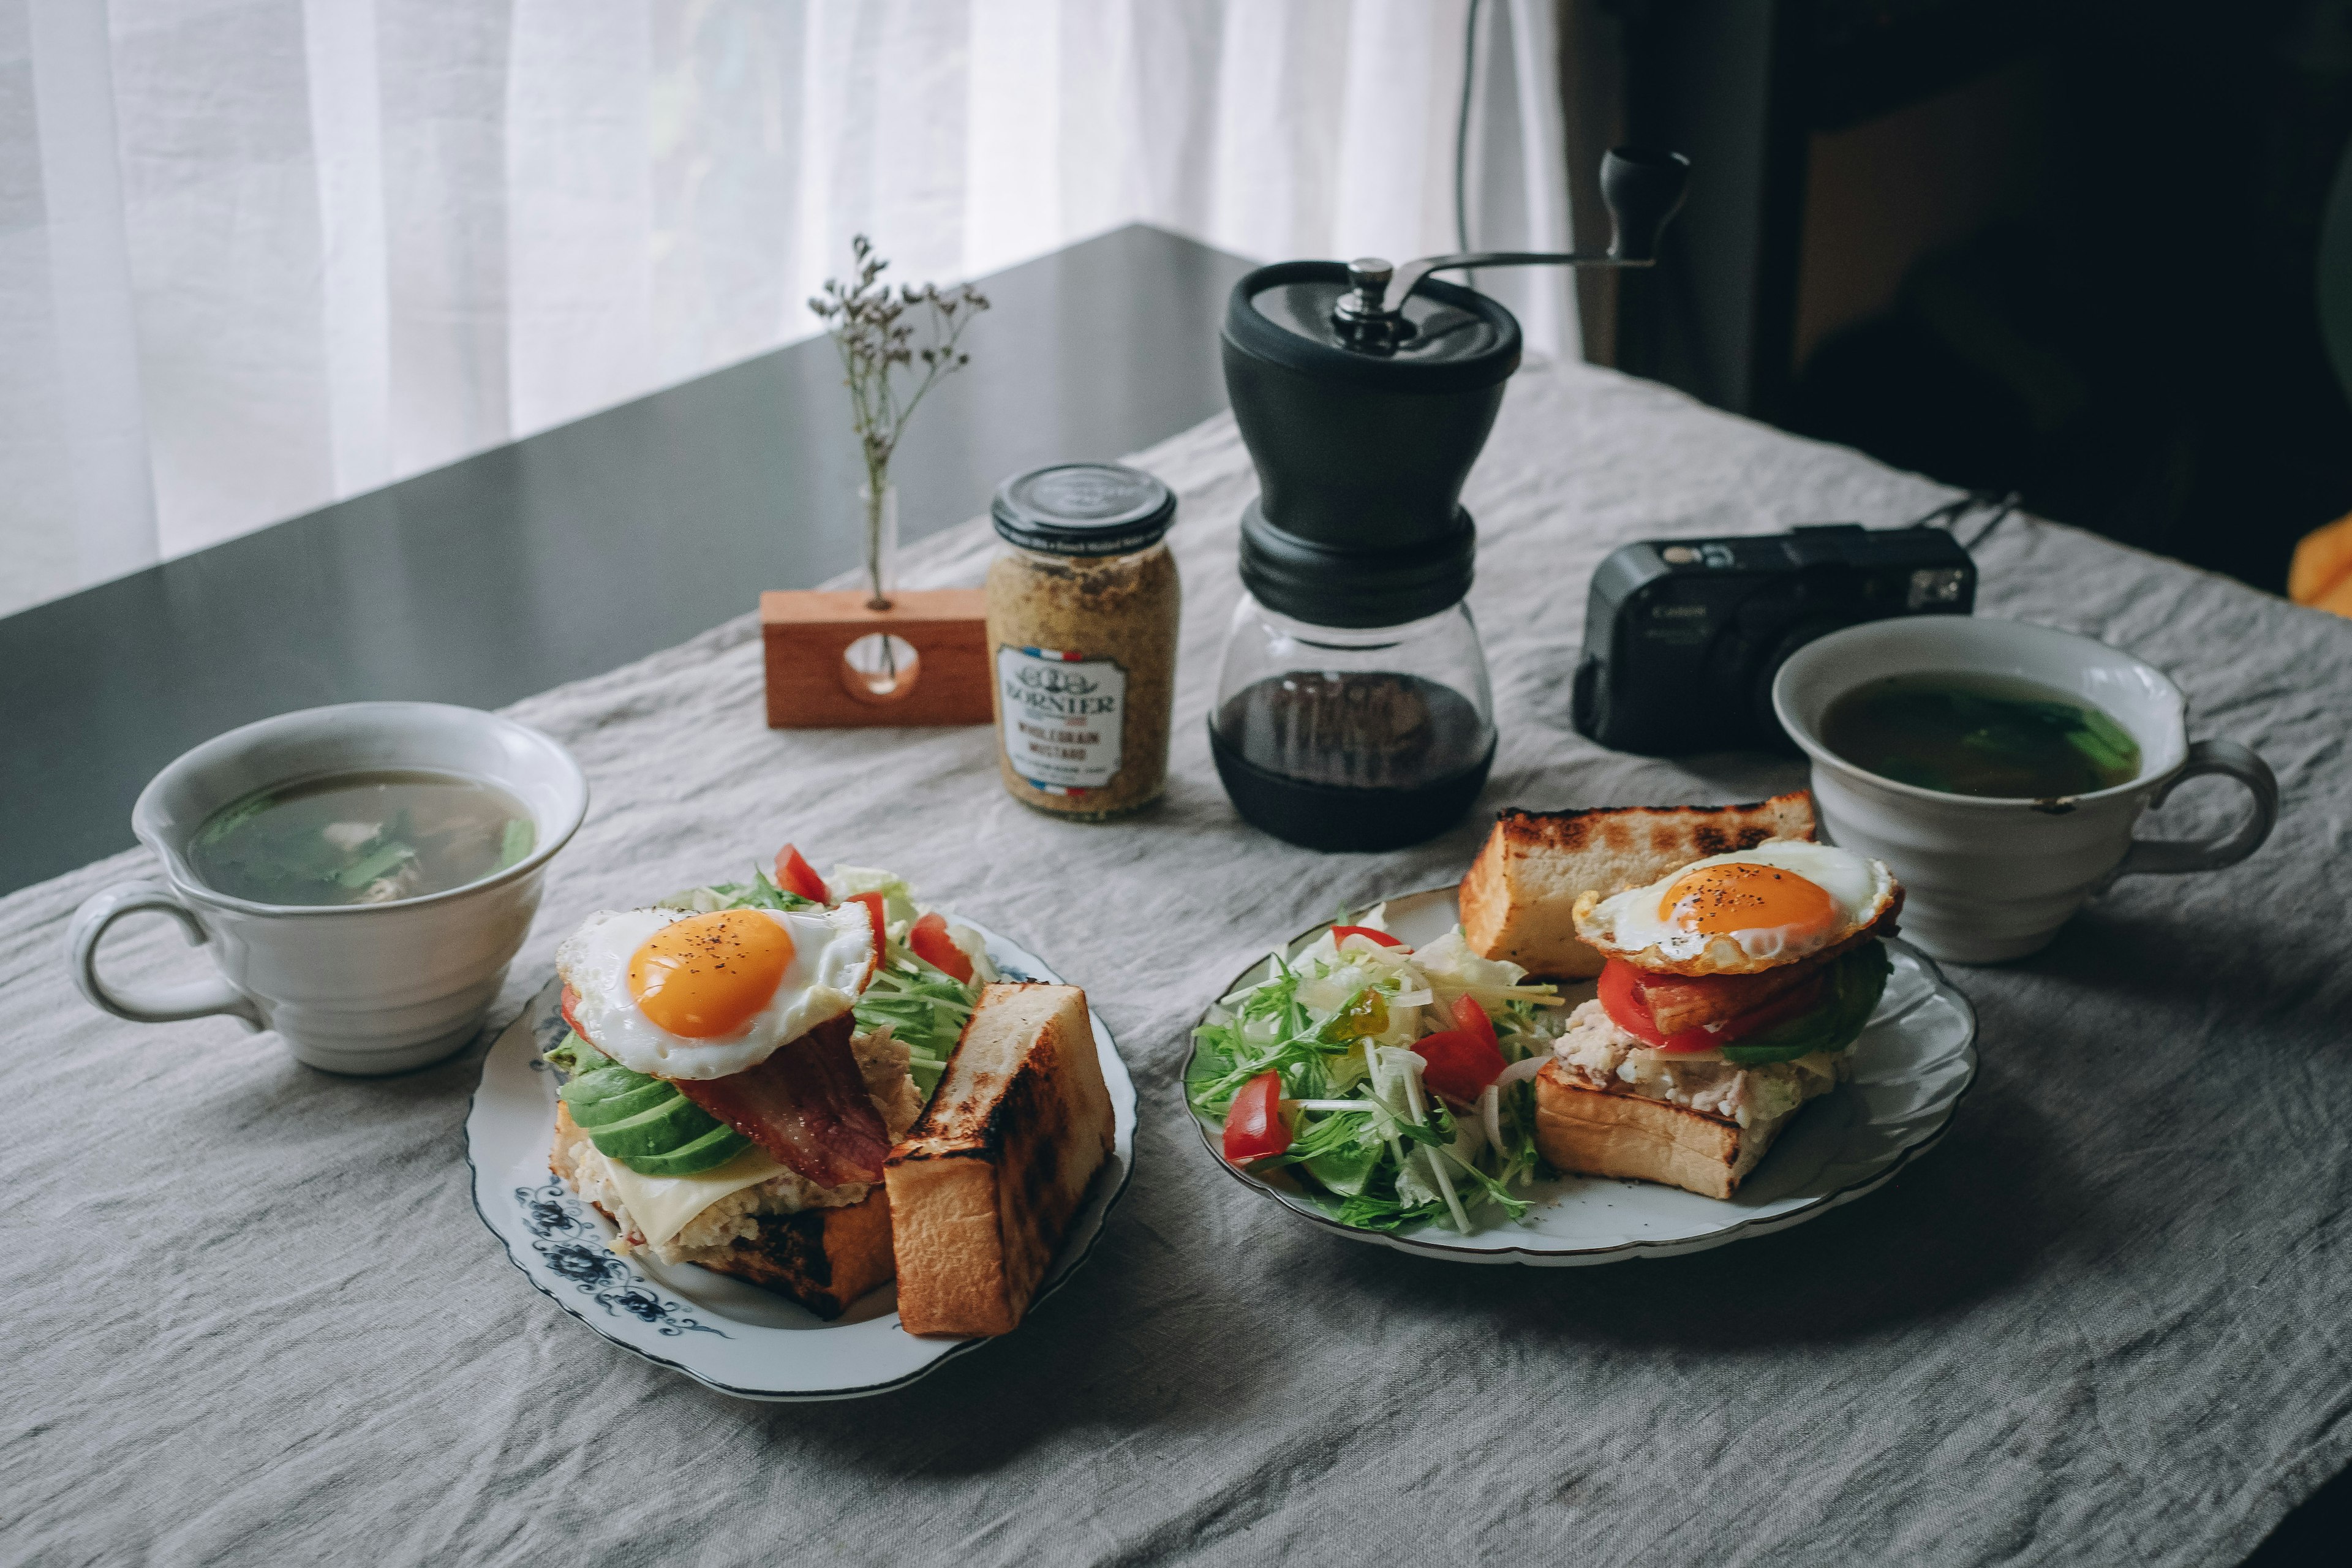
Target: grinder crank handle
[{"x": 1643, "y": 188}]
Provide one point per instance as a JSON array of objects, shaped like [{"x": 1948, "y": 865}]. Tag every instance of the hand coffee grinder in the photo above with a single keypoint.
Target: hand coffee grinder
[{"x": 1352, "y": 707}]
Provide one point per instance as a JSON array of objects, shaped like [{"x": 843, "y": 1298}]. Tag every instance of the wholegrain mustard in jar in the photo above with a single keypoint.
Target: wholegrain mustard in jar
[{"x": 1082, "y": 617}]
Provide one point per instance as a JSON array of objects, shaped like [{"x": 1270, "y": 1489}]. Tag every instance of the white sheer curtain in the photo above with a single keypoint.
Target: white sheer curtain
[{"x": 257, "y": 254}]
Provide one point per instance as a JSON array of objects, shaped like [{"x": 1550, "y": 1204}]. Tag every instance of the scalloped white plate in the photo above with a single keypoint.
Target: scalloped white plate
[
  {"x": 1911, "y": 1065},
  {"x": 719, "y": 1330}
]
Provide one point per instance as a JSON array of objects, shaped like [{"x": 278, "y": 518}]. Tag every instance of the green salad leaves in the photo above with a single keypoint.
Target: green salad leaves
[{"x": 1368, "y": 1138}]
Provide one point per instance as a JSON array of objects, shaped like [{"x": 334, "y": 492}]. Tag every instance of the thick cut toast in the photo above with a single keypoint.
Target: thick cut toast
[
  {"x": 1519, "y": 895},
  {"x": 1598, "y": 1132},
  {"x": 985, "y": 1181}
]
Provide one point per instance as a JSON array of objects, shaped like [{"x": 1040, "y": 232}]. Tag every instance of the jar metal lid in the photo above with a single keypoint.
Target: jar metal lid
[{"x": 1083, "y": 509}]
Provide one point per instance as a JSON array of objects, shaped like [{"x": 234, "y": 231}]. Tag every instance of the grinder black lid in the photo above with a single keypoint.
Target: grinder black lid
[
  {"x": 1288, "y": 313},
  {"x": 1361, "y": 450}
]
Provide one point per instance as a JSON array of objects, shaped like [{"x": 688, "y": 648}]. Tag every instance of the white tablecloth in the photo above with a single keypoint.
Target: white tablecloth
[{"x": 253, "y": 1318}]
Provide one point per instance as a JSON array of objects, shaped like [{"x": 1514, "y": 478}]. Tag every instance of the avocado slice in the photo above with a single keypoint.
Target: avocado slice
[
  {"x": 676, "y": 1122},
  {"x": 602, "y": 1111},
  {"x": 707, "y": 1152},
  {"x": 601, "y": 1083}
]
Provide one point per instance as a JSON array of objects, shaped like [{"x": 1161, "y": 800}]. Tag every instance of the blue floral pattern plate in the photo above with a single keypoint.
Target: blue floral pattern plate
[{"x": 719, "y": 1330}]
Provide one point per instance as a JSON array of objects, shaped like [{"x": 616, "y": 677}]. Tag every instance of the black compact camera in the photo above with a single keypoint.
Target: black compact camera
[{"x": 1682, "y": 636}]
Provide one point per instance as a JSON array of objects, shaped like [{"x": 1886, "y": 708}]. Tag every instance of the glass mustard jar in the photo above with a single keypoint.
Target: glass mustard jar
[{"x": 1082, "y": 620}]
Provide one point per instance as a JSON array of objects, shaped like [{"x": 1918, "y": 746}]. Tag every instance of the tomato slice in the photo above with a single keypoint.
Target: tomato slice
[
  {"x": 1460, "y": 1064},
  {"x": 794, "y": 875},
  {"x": 1620, "y": 998},
  {"x": 873, "y": 902},
  {"x": 1469, "y": 1015},
  {"x": 1253, "y": 1124},
  {"x": 1341, "y": 933},
  {"x": 932, "y": 944}
]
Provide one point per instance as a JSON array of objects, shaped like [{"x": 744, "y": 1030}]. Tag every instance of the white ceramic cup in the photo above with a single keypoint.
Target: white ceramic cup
[
  {"x": 366, "y": 989},
  {"x": 1987, "y": 879}
]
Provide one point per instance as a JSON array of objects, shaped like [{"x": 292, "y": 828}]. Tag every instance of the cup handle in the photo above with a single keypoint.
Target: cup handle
[
  {"x": 150, "y": 1004},
  {"x": 2167, "y": 857}
]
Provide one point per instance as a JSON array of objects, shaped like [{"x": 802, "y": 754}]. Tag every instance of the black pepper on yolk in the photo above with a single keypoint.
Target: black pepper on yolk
[
  {"x": 709, "y": 975},
  {"x": 1742, "y": 895}
]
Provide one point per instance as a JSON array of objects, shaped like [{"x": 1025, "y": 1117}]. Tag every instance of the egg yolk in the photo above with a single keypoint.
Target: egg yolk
[
  {"x": 1741, "y": 896},
  {"x": 709, "y": 975}
]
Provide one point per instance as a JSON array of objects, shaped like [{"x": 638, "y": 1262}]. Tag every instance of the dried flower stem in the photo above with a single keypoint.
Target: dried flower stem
[{"x": 872, "y": 330}]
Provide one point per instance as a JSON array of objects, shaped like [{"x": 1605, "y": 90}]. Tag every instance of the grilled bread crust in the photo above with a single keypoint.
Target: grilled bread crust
[
  {"x": 1519, "y": 896},
  {"x": 984, "y": 1184},
  {"x": 823, "y": 1258},
  {"x": 1598, "y": 1132}
]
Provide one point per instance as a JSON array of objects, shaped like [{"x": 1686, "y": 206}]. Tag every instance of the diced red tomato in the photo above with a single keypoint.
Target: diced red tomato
[
  {"x": 1621, "y": 999},
  {"x": 1469, "y": 1015},
  {"x": 873, "y": 902},
  {"x": 1460, "y": 1064},
  {"x": 794, "y": 875},
  {"x": 934, "y": 946},
  {"x": 1341, "y": 933},
  {"x": 1253, "y": 1126}
]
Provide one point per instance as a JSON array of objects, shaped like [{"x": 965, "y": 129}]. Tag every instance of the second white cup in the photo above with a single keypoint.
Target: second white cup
[{"x": 1987, "y": 879}]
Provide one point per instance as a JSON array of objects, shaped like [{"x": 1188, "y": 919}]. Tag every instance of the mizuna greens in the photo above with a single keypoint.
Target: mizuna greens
[{"x": 1338, "y": 1024}]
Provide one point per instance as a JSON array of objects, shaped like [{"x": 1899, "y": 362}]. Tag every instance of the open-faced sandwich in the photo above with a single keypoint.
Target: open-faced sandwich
[
  {"x": 751, "y": 1065},
  {"x": 1734, "y": 978}
]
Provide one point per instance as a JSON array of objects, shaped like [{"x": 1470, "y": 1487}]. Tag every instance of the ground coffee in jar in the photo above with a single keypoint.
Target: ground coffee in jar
[{"x": 1082, "y": 617}]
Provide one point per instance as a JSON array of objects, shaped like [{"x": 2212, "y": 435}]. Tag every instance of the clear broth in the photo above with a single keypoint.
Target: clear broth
[
  {"x": 361, "y": 838},
  {"x": 1980, "y": 735}
]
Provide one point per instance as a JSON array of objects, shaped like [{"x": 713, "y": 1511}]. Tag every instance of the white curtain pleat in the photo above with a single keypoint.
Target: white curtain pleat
[
  {"x": 74, "y": 478},
  {"x": 257, "y": 254}
]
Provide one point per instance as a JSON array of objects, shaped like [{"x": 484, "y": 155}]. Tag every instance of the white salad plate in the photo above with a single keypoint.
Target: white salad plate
[
  {"x": 719, "y": 1330},
  {"x": 1911, "y": 1065}
]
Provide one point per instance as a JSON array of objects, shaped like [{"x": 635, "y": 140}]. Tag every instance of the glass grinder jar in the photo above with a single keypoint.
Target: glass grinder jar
[{"x": 1353, "y": 710}]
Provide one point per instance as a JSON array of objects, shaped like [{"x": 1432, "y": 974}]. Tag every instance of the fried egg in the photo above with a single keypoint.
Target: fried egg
[
  {"x": 1733, "y": 914},
  {"x": 685, "y": 995}
]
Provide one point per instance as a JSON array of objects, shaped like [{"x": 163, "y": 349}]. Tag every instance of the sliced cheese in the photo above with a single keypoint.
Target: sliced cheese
[{"x": 659, "y": 1206}]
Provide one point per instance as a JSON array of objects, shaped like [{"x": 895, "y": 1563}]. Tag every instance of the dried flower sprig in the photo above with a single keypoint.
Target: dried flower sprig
[{"x": 887, "y": 370}]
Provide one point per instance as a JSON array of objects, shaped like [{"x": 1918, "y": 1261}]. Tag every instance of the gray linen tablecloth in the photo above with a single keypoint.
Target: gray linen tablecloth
[{"x": 252, "y": 1315}]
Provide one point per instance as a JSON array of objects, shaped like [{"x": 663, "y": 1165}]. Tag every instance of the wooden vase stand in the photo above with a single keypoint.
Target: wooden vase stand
[{"x": 812, "y": 684}]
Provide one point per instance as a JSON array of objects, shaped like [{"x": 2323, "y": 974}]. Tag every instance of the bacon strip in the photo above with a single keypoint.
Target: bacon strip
[{"x": 806, "y": 1105}]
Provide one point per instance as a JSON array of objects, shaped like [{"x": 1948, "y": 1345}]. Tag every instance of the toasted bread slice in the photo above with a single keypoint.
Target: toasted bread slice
[
  {"x": 825, "y": 1258},
  {"x": 986, "y": 1181},
  {"x": 1519, "y": 896},
  {"x": 1600, "y": 1132}
]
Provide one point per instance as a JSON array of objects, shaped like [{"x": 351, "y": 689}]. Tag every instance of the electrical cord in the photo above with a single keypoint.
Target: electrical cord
[
  {"x": 1462, "y": 130},
  {"x": 2003, "y": 505}
]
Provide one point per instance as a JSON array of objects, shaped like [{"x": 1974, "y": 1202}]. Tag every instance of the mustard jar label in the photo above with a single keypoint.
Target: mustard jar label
[{"x": 1063, "y": 716}]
